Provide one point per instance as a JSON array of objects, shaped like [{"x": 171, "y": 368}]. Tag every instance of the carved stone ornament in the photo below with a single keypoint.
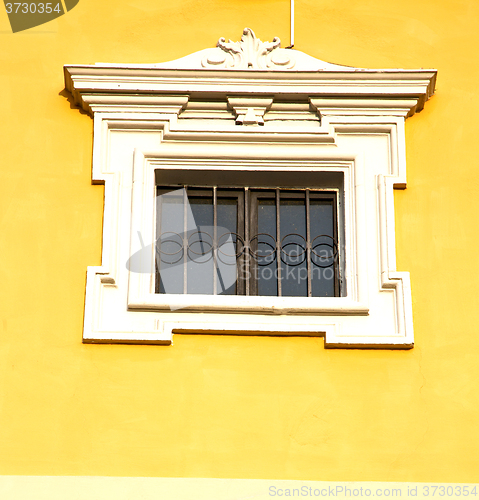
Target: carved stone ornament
[{"x": 249, "y": 53}]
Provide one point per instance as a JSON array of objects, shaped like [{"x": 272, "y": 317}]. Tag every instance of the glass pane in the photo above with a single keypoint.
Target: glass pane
[
  {"x": 265, "y": 244},
  {"x": 200, "y": 263},
  {"x": 199, "y": 234},
  {"x": 169, "y": 245},
  {"x": 294, "y": 272},
  {"x": 227, "y": 221},
  {"x": 323, "y": 248}
]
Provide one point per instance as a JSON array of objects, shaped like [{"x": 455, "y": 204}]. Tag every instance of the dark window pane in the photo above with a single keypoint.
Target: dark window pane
[
  {"x": 323, "y": 248},
  {"x": 169, "y": 246},
  {"x": 294, "y": 272},
  {"x": 200, "y": 263},
  {"x": 228, "y": 246},
  {"x": 265, "y": 247}
]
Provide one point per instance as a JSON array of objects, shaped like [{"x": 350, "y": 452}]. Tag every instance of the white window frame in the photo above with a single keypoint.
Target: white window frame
[{"x": 213, "y": 111}]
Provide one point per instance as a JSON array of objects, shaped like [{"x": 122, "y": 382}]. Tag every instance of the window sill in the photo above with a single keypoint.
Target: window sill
[{"x": 251, "y": 304}]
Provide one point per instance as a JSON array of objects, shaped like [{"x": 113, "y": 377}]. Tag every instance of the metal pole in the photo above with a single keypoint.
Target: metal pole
[{"x": 291, "y": 45}]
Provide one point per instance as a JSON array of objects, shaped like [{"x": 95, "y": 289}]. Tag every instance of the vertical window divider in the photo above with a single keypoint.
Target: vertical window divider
[
  {"x": 246, "y": 240},
  {"x": 278, "y": 240},
  {"x": 159, "y": 211},
  {"x": 185, "y": 240},
  {"x": 336, "y": 267},
  {"x": 308, "y": 245},
  {"x": 240, "y": 259},
  {"x": 215, "y": 241}
]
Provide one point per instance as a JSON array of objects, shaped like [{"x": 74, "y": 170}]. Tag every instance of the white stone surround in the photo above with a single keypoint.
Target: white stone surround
[{"x": 250, "y": 106}]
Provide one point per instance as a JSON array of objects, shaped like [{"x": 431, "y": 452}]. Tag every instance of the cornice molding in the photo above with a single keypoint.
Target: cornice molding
[{"x": 249, "y": 67}]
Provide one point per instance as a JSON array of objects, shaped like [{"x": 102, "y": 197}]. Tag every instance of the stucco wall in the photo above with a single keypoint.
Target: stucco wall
[{"x": 219, "y": 406}]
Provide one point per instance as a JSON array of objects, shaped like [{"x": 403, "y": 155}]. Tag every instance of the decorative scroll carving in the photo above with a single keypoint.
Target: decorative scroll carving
[{"x": 249, "y": 53}]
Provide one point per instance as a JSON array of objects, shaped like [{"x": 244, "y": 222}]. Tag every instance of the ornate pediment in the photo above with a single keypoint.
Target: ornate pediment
[
  {"x": 249, "y": 53},
  {"x": 248, "y": 76}
]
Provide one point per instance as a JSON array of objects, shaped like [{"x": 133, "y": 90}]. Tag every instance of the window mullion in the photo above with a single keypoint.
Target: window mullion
[
  {"x": 308, "y": 245},
  {"x": 246, "y": 252},
  {"x": 336, "y": 268},
  {"x": 240, "y": 240},
  {"x": 185, "y": 240},
  {"x": 215, "y": 242},
  {"x": 159, "y": 209},
  {"x": 278, "y": 241}
]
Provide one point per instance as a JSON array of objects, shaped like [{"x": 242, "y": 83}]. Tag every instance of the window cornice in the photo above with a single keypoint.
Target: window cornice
[
  {"x": 151, "y": 87},
  {"x": 251, "y": 66}
]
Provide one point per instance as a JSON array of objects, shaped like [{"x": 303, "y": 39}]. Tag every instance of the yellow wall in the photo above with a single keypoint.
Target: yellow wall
[{"x": 213, "y": 406}]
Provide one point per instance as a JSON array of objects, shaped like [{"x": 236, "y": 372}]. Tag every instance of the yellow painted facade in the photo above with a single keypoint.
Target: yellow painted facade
[{"x": 236, "y": 406}]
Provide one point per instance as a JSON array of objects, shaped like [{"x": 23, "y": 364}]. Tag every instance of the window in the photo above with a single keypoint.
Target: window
[
  {"x": 250, "y": 241},
  {"x": 231, "y": 168}
]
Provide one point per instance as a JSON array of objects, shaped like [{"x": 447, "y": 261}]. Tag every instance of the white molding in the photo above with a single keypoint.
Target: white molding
[
  {"x": 140, "y": 290},
  {"x": 128, "y": 86},
  {"x": 183, "y": 116}
]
